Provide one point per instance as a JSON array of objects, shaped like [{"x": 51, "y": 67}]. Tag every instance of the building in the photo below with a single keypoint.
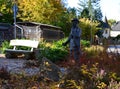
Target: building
[
  {"x": 106, "y": 29},
  {"x": 30, "y": 30},
  {"x": 38, "y": 31},
  {"x": 6, "y": 32},
  {"x": 115, "y": 30},
  {"x": 112, "y": 32}
]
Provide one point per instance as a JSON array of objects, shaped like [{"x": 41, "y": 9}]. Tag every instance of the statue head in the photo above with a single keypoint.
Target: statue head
[{"x": 75, "y": 21}]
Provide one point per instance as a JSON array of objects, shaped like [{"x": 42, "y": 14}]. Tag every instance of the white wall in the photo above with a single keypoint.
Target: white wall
[
  {"x": 106, "y": 33},
  {"x": 114, "y": 33}
]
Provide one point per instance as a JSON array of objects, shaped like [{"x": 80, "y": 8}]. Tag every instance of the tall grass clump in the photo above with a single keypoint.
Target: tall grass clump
[{"x": 93, "y": 51}]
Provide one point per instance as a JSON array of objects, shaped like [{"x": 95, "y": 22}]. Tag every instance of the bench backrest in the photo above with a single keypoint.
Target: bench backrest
[{"x": 27, "y": 43}]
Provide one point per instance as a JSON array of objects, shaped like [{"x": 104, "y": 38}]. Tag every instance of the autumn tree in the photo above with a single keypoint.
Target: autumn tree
[
  {"x": 111, "y": 22},
  {"x": 59, "y": 8},
  {"x": 45, "y": 11},
  {"x": 6, "y": 11}
]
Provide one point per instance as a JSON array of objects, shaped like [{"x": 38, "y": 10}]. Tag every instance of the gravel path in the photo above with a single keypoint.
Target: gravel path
[{"x": 17, "y": 66}]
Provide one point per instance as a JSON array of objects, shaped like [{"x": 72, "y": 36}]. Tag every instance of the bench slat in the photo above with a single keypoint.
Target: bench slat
[
  {"x": 17, "y": 51},
  {"x": 28, "y": 43}
]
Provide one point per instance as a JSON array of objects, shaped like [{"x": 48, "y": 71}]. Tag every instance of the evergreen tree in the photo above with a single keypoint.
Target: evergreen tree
[
  {"x": 82, "y": 5},
  {"x": 84, "y": 13},
  {"x": 90, "y": 9}
]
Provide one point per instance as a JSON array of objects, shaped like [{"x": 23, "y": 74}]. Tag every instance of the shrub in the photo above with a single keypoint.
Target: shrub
[
  {"x": 85, "y": 43},
  {"x": 5, "y": 45},
  {"x": 87, "y": 26},
  {"x": 54, "y": 51}
]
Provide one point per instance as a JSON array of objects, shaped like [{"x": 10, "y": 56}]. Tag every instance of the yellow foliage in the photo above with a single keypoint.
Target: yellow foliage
[
  {"x": 94, "y": 48},
  {"x": 39, "y": 10},
  {"x": 101, "y": 85},
  {"x": 48, "y": 44},
  {"x": 88, "y": 28},
  {"x": 94, "y": 51}
]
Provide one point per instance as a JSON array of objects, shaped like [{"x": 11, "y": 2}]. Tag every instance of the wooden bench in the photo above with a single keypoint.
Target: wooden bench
[{"x": 15, "y": 52}]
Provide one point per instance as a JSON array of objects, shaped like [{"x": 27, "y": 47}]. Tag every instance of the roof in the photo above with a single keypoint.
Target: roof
[
  {"x": 116, "y": 26},
  {"x": 103, "y": 24},
  {"x": 37, "y": 24}
]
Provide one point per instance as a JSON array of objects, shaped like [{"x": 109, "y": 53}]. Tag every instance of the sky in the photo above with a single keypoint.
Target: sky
[{"x": 110, "y": 8}]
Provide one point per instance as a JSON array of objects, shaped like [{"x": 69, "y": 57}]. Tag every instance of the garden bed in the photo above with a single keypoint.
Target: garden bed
[{"x": 97, "y": 70}]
